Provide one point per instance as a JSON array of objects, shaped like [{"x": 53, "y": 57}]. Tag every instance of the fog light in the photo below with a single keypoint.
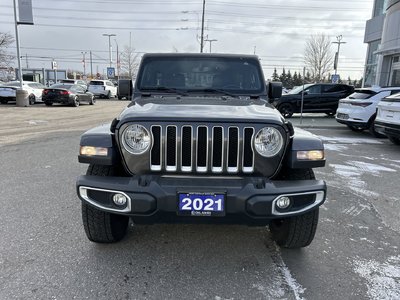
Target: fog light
[
  {"x": 283, "y": 202},
  {"x": 119, "y": 199}
]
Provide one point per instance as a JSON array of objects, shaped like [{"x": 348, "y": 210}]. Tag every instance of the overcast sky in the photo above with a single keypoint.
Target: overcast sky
[{"x": 275, "y": 30}]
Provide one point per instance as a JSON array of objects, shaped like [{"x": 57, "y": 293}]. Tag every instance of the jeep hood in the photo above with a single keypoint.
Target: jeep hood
[{"x": 201, "y": 110}]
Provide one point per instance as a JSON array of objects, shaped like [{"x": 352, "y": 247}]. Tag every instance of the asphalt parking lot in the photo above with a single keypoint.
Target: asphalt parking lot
[{"x": 21, "y": 123}]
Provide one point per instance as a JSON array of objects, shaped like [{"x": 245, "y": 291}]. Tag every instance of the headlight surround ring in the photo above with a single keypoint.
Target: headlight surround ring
[
  {"x": 268, "y": 142},
  {"x": 136, "y": 139}
]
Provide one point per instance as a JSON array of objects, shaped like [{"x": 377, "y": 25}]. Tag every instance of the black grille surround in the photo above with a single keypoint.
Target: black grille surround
[{"x": 202, "y": 148}]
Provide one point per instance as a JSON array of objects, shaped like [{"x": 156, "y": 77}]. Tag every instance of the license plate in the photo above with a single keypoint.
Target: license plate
[{"x": 201, "y": 204}]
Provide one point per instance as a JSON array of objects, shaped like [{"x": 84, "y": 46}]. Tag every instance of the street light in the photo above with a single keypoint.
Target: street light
[
  {"x": 109, "y": 45},
  {"x": 339, "y": 41}
]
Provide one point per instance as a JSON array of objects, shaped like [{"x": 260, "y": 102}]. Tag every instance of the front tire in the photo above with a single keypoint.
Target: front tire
[
  {"x": 92, "y": 101},
  {"x": 297, "y": 231},
  {"x": 3, "y": 101},
  {"x": 75, "y": 102},
  {"x": 100, "y": 226},
  {"x": 32, "y": 99},
  {"x": 286, "y": 110}
]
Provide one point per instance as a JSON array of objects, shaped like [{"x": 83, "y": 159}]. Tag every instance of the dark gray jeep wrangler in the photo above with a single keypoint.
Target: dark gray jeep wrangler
[{"x": 201, "y": 143}]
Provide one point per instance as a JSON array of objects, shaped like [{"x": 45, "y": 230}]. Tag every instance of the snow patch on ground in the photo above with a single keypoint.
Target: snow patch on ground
[
  {"x": 352, "y": 172},
  {"x": 351, "y": 141},
  {"x": 335, "y": 147},
  {"x": 383, "y": 279}
]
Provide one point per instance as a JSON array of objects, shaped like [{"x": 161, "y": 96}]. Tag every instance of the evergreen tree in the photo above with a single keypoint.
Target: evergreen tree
[
  {"x": 282, "y": 77},
  {"x": 295, "y": 79},
  {"x": 289, "y": 80},
  {"x": 307, "y": 79},
  {"x": 299, "y": 80},
  {"x": 275, "y": 76}
]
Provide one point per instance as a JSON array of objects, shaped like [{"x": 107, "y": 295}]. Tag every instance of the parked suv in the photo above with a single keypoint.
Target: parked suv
[
  {"x": 318, "y": 98},
  {"x": 103, "y": 88},
  {"x": 358, "y": 111},
  {"x": 200, "y": 143},
  {"x": 80, "y": 82},
  {"x": 387, "y": 120}
]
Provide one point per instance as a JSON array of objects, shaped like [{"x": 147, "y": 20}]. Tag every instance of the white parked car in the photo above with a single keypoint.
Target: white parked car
[
  {"x": 387, "y": 120},
  {"x": 8, "y": 91},
  {"x": 358, "y": 110},
  {"x": 103, "y": 88}
]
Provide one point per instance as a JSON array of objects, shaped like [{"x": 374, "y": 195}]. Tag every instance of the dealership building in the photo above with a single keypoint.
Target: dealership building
[{"x": 382, "y": 34}]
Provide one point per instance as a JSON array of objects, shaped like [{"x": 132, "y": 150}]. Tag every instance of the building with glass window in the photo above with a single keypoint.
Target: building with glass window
[{"x": 382, "y": 34}]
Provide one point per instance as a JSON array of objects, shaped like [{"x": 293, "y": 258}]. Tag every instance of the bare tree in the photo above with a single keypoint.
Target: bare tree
[
  {"x": 129, "y": 60},
  {"x": 318, "y": 56},
  {"x": 6, "y": 40}
]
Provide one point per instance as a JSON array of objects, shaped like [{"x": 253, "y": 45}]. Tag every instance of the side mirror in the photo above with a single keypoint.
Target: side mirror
[
  {"x": 274, "y": 90},
  {"x": 305, "y": 93}
]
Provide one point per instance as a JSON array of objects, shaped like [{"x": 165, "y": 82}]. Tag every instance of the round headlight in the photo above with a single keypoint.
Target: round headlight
[
  {"x": 268, "y": 141},
  {"x": 136, "y": 139}
]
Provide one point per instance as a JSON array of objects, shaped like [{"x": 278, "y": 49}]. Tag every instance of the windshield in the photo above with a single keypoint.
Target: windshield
[
  {"x": 362, "y": 94},
  {"x": 96, "y": 83},
  {"x": 236, "y": 75},
  {"x": 298, "y": 89}
]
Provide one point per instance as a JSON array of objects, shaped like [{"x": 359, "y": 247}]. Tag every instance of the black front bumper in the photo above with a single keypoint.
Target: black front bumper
[{"x": 247, "y": 200}]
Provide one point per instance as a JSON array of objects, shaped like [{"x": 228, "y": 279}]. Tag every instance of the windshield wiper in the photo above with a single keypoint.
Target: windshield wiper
[
  {"x": 165, "y": 89},
  {"x": 218, "y": 91}
]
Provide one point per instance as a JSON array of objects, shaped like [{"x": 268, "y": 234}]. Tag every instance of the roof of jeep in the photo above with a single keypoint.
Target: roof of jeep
[{"x": 200, "y": 55}]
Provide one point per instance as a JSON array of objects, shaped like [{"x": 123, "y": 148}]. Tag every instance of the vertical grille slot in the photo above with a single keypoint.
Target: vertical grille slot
[
  {"x": 170, "y": 148},
  {"x": 248, "y": 156},
  {"x": 233, "y": 149},
  {"x": 155, "y": 154},
  {"x": 202, "y": 148},
  {"x": 186, "y": 148},
  {"x": 217, "y": 149}
]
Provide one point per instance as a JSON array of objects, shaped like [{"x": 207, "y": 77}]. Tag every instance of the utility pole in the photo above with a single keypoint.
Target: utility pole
[
  {"x": 109, "y": 45},
  {"x": 202, "y": 28},
  {"x": 84, "y": 63},
  {"x": 91, "y": 65},
  {"x": 212, "y": 40},
  {"x": 339, "y": 41}
]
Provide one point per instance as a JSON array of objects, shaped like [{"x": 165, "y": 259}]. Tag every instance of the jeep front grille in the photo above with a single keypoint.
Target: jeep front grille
[{"x": 202, "y": 149}]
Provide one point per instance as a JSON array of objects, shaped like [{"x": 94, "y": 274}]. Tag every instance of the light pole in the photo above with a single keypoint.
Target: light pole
[
  {"x": 84, "y": 63},
  {"x": 109, "y": 45},
  {"x": 339, "y": 41}
]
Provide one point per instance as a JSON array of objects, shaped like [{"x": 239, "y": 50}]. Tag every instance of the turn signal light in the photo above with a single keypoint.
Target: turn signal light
[
  {"x": 310, "y": 155},
  {"x": 90, "y": 151}
]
